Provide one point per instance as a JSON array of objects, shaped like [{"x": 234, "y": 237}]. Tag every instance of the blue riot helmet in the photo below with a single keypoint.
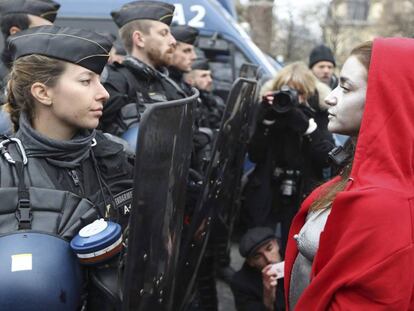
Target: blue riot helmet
[
  {"x": 38, "y": 272},
  {"x": 131, "y": 136}
]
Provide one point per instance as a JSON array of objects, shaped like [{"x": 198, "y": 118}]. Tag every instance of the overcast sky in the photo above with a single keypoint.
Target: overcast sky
[{"x": 296, "y": 6}]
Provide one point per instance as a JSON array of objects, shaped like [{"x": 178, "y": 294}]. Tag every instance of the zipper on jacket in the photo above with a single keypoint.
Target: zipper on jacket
[
  {"x": 76, "y": 181},
  {"x": 75, "y": 177}
]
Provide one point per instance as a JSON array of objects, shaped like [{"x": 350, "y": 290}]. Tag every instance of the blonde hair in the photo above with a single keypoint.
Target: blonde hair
[
  {"x": 24, "y": 72},
  {"x": 298, "y": 76}
]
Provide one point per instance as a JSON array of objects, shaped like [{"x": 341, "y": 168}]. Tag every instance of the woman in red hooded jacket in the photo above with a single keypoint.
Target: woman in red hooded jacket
[{"x": 351, "y": 244}]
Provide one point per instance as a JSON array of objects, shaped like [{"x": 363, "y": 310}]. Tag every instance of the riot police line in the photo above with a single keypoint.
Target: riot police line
[
  {"x": 146, "y": 235},
  {"x": 166, "y": 265},
  {"x": 130, "y": 253},
  {"x": 159, "y": 262}
]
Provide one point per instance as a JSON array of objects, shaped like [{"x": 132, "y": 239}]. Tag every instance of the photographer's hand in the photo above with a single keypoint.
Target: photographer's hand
[
  {"x": 269, "y": 287},
  {"x": 299, "y": 121},
  {"x": 268, "y": 97},
  {"x": 267, "y": 115}
]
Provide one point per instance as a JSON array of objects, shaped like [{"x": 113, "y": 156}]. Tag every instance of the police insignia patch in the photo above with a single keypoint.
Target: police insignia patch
[{"x": 123, "y": 201}]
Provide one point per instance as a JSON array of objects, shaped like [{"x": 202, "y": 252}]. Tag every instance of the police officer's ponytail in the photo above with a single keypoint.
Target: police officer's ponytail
[
  {"x": 26, "y": 71},
  {"x": 11, "y": 106}
]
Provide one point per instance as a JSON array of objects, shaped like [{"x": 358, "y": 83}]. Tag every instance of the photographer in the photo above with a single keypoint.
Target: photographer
[
  {"x": 290, "y": 147},
  {"x": 255, "y": 286}
]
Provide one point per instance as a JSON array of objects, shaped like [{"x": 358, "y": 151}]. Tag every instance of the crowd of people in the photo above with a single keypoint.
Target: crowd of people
[{"x": 327, "y": 225}]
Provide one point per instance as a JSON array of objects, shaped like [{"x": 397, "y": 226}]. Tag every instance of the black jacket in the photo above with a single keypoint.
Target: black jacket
[
  {"x": 285, "y": 157},
  {"x": 202, "y": 141},
  {"x": 210, "y": 110},
  {"x": 247, "y": 288},
  {"x": 111, "y": 163},
  {"x": 178, "y": 77},
  {"x": 132, "y": 85}
]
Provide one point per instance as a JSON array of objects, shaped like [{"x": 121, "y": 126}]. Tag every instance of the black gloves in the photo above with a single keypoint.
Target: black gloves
[
  {"x": 266, "y": 112},
  {"x": 296, "y": 119}
]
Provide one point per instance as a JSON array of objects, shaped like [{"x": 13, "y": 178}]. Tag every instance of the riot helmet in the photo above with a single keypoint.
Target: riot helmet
[{"x": 39, "y": 271}]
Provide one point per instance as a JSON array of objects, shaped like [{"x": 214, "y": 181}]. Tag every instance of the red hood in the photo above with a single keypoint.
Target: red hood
[
  {"x": 365, "y": 259},
  {"x": 384, "y": 154}
]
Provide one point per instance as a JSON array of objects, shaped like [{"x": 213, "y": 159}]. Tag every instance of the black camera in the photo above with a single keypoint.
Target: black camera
[
  {"x": 285, "y": 99},
  {"x": 288, "y": 179}
]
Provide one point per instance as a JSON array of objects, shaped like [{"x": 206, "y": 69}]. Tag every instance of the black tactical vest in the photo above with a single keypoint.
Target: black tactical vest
[{"x": 56, "y": 205}]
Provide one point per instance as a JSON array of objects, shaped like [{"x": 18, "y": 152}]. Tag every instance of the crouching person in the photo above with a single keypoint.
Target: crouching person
[{"x": 258, "y": 284}]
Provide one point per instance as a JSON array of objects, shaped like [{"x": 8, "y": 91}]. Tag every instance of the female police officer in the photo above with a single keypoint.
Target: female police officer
[{"x": 57, "y": 173}]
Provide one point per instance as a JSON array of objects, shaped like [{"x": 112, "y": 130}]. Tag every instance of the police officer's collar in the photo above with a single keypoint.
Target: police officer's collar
[
  {"x": 204, "y": 93},
  {"x": 82, "y": 47},
  {"x": 175, "y": 73},
  {"x": 142, "y": 10},
  {"x": 140, "y": 68},
  {"x": 46, "y": 9}
]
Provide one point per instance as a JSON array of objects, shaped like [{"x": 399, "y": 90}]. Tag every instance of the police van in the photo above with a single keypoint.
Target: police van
[{"x": 222, "y": 40}]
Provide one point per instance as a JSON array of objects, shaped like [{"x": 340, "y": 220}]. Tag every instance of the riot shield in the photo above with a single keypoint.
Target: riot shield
[
  {"x": 162, "y": 163},
  {"x": 252, "y": 71},
  {"x": 220, "y": 188},
  {"x": 249, "y": 71}
]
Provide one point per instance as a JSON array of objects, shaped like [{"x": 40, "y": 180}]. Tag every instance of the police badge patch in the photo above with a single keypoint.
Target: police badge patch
[{"x": 123, "y": 202}]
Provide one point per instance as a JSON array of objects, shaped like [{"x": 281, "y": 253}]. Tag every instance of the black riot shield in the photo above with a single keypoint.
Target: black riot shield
[
  {"x": 252, "y": 71},
  {"x": 162, "y": 163},
  {"x": 249, "y": 71},
  {"x": 220, "y": 188}
]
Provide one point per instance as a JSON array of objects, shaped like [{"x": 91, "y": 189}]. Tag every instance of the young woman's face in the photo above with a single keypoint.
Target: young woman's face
[
  {"x": 78, "y": 98},
  {"x": 347, "y": 100}
]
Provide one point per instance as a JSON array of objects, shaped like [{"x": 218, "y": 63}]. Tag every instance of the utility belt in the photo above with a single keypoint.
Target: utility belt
[{"x": 288, "y": 181}]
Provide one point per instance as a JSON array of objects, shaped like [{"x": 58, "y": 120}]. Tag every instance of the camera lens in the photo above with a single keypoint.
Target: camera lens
[{"x": 282, "y": 102}]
